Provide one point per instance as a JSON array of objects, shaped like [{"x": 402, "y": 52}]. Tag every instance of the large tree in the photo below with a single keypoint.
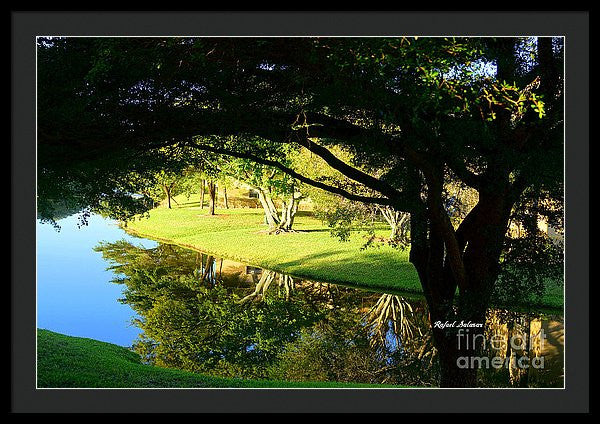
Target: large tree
[{"x": 412, "y": 113}]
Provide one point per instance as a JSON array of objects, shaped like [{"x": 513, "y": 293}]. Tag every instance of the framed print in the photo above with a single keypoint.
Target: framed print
[{"x": 300, "y": 211}]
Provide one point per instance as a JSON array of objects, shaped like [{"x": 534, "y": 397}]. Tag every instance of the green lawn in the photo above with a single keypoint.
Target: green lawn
[
  {"x": 310, "y": 253},
  {"x": 65, "y": 361}
]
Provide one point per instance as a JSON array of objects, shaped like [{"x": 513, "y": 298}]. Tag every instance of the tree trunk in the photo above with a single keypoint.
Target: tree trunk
[
  {"x": 456, "y": 368},
  {"x": 458, "y": 347},
  {"x": 288, "y": 213},
  {"x": 397, "y": 221},
  {"x": 225, "y": 197},
  {"x": 286, "y": 282},
  {"x": 212, "y": 192},
  {"x": 278, "y": 222},
  {"x": 261, "y": 287},
  {"x": 465, "y": 259},
  {"x": 208, "y": 271},
  {"x": 167, "y": 191},
  {"x": 202, "y": 190},
  {"x": 271, "y": 215}
]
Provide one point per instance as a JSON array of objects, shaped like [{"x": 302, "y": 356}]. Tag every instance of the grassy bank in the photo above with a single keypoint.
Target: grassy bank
[
  {"x": 311, "y": 252},
  {"x": 65, "y": 361}
]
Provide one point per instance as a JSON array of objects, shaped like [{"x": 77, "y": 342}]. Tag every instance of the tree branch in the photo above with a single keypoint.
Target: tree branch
[
  {"x": 460, "y": 169},
  {"x": 349, "y": 171},
  {"x": 291, "y": 172}
]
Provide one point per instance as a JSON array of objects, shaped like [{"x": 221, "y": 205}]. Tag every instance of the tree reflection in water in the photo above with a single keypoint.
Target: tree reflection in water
[
  {"x": 523, "y": 337},
  {"x": 219, "y": 317},
  {"x": 396, "y": 325}
]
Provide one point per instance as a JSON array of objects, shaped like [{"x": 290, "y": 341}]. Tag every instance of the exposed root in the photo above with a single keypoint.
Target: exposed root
[
  {"x": 281, "y": 231},
  {"x": 275, "y": 231}
]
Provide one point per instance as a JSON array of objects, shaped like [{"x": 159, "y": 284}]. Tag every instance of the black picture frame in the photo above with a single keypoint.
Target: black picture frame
[{"x": 25, "y": 26}]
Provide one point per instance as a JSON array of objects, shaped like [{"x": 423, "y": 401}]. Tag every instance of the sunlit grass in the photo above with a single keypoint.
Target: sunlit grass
[{"x": 310, "y": 252}]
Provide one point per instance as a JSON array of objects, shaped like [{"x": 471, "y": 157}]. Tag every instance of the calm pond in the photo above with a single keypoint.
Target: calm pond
[{"x": 185, "y": 309}]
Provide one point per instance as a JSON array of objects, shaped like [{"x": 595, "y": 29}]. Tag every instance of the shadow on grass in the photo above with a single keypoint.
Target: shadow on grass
[
  {"x": 372, "y": 270},
  {"x": 188, "y": 204},
  {"x": 310, "y": 230}
]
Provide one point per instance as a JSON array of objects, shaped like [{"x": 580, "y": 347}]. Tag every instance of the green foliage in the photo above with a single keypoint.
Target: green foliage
[
  {"x": 336, "y": 350},
  {"x": 90, "y": 186},
  {"x": 256, "y": 175},
  {"x": 441, "y": 96},
  {"x": 343, "y": 349},
  {"x": 529, "y": 267},
  {"x": 343, "y": 217},
  {"x": 207, "y": 331}
]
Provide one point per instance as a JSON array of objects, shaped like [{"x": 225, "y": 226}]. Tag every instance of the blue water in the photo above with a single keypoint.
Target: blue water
[{"x": 74, "y": 292}]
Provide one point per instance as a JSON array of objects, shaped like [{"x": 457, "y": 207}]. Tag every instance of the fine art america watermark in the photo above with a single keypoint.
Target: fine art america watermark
[{"x": 520, "y": 346}]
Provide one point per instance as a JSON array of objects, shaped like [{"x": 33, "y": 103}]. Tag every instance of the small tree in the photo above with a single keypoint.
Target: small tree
[{"x": 272, "y": 186}]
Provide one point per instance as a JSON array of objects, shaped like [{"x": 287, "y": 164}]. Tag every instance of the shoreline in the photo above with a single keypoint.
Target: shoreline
[{"x": 409, "y": 286}]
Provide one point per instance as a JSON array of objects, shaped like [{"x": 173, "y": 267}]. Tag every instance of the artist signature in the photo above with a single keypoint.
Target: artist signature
[{"x": 457, "y": 324}]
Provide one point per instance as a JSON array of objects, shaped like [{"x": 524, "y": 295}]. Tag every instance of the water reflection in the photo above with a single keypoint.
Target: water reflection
[
  {"x": 531, "y": 348},
  {"x": 220, "y": 317}
]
